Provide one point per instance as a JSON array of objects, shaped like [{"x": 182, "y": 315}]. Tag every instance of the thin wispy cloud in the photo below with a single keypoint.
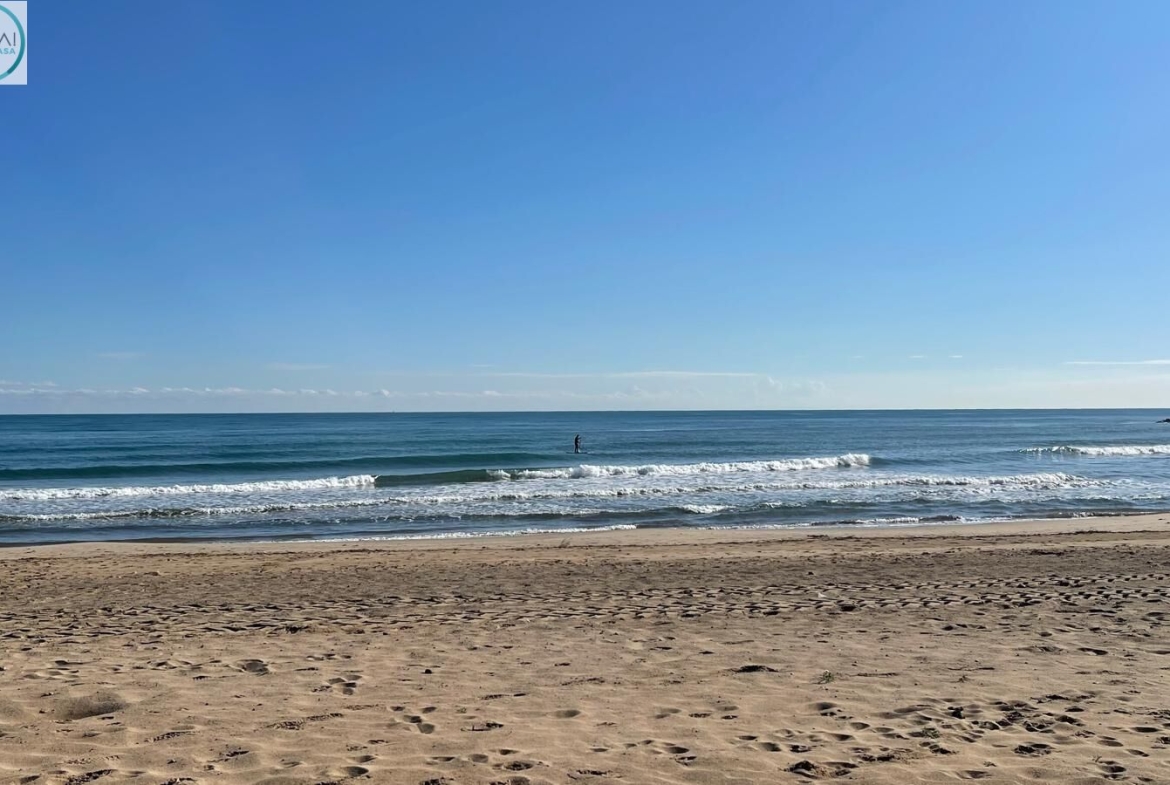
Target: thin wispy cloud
[
  {"x": 477, "y": 389},
  {"x": 309, "y": 393},
  {"x": 628, "y": 375},
  {"x": 799, "y": 387},
  {"x": 1118, "y": 362},
  {"x": 4, "y": 383},
  {"x": 481, "y": 373},
  {"x": 158, "y": 391}
]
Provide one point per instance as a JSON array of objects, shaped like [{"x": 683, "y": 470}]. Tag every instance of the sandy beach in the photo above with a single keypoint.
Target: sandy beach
[{"x": 1002, "y": 653}]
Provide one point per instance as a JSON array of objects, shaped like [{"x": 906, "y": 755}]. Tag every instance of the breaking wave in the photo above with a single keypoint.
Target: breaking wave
[
  {"x": 1127, "y": 450},
  {"x": 435, "y": 478},
  {"x": 1040, "y": 481},
  {"x": 468, "y": 502},
  {"x": 267, "y": 486},
  {"x": 852, "y": 460},
  {"x": 589, "y": 471}
]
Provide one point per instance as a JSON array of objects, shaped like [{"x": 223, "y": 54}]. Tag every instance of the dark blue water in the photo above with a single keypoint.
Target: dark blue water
[{"x": 109, "y": 477}]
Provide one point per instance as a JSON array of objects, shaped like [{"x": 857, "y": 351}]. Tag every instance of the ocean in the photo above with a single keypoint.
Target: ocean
[{"x": 358, "y": 476}]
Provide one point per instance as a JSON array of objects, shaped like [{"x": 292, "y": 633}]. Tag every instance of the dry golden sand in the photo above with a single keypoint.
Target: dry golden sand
[{"x": 1014, "y": 653}]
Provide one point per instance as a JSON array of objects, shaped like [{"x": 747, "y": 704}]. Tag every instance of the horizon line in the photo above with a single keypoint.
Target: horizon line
[{"x": 600, "y": 411}]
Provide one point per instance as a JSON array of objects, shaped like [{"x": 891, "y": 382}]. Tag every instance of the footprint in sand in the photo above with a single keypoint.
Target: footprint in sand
[
  {"x": 348, "y": 772},
  {"x": 481, "y": 727},
  {"x": 300, "y": 724},
  {"x": 1111, "y": 769},
  {"x": 168, "y": 736},
  {"x": 327, "y": 656},
  {"x": 89, "y": 776},
  {"x": 346, "y": 685},
  {"x": 413, "y": 720}
]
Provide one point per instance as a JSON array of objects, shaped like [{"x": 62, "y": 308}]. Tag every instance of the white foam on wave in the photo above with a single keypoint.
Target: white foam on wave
[
  {"x": 1040, "y": 480},
  {"x": 189, "y": 512},
  {"x": 474, "y": 535},
  {"x": 586, "y": 471},
  {"x": 889, "y": 522},
  {"x": 705, "y": 509},
  {"x": 461, "y": 495},
  {"x": 260, "y": 487},
  {"x": 898, "y": 520},
  {"x": 1121, "y": 450},
  {"x": 481, "y": 493},
  {"x": 366, "y": 480}
]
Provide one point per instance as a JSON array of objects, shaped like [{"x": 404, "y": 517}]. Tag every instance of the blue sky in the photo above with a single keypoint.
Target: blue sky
[{"x": 455, "y": 205}]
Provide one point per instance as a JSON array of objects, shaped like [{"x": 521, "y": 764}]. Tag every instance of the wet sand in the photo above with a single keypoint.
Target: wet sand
[{"x": 1021, "y": 652}]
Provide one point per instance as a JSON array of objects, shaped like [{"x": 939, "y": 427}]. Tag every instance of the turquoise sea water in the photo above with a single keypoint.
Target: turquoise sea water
[{"x": 69, "y": 478}]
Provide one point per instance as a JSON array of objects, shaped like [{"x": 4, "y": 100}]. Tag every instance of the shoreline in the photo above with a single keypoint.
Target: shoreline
[{"x": 658, "y": 537}]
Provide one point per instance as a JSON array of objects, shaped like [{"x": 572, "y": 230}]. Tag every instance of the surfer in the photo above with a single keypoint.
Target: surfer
[{"x": 577, "y": 443}]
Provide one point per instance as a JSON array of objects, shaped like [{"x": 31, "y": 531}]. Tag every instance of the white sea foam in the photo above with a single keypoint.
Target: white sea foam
[
  {"x": 586, "y": 471},
  {"x": 894, "y": 521},
  {"x": 366, "y": 480},
  {"x": 472, "y": 535},
  {"x": 601, "y": 490},
  {"x": 266, "y": 486},
  {"x": 1040, "y": 480},
  {"x": 78, "y": 503},
  {"x": 1121, "y": 450},
  {"x": 705, "y": 509},
  {"x": 900, "y": 520},
  {"x": 189, "y": 512}
]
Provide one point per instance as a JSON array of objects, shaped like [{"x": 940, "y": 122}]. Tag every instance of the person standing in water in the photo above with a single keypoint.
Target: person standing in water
[{"x": 577, "y": 443}]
